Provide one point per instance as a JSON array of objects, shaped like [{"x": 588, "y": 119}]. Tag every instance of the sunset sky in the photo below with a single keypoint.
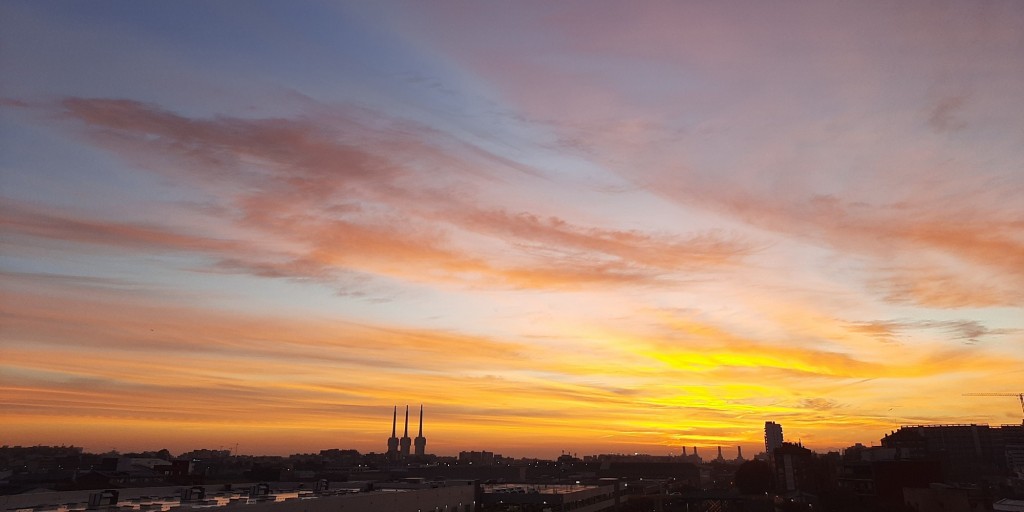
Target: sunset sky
[{"x": 587, "y": 226}]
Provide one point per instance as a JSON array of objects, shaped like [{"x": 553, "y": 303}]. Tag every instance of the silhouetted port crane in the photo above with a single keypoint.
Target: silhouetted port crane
[{"x": 1020, "y": 396}]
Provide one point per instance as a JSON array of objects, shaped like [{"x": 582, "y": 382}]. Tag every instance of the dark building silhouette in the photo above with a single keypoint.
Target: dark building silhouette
[
  {"x": 695, "y": 457},
  {"x": 878, "y": 476},
  {"x": 421, "y": 442},
  {"x": 392, "y": 454},
  {"x": 478, "y": 458},
  {"x": 406, "y": 441},
  {"x": 967, "y": 453},
  {"x": 772, "y": 437},
  {"x": 1013, "y": 438},
  {"x": 805, "y": 477},
  {"x": 794, "y": 466},
  {"x": 521, "y": 497},
  {"x": 399, "y": 447}
]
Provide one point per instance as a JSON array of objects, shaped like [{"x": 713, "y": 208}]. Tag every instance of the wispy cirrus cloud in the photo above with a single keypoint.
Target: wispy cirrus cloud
[
  {"x": 336, "y": 195},
  {"x": 819, "y": 404},
  {"x": 913, "y": 182},
  {"x": 979, "y": 251},
  {"x": 552, "y": 234},
  {"x": 965, "y": 331},
  {"x": 943, "y": 116},
  {"x": 28, "y": 220}
]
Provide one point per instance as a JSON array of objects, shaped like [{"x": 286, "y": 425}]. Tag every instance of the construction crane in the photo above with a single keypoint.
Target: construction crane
[{"x": 1020, "y": 396}]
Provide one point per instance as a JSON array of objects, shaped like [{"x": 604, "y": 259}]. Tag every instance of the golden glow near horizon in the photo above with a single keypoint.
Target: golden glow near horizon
[{"x": 558, "y": 227}]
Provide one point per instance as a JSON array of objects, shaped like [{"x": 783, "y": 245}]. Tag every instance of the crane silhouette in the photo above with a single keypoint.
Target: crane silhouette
[{"x": 1020, "y": 396}]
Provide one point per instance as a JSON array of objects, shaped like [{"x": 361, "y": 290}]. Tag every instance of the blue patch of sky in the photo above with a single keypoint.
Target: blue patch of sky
[
  {"x": 241, "y": 55},
  {"x": 237, "y": 56},
  {"x": 46, "y": 167}
]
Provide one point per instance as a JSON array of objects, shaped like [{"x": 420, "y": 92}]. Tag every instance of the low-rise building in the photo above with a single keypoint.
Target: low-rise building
[{"x": 539, "y": 497}]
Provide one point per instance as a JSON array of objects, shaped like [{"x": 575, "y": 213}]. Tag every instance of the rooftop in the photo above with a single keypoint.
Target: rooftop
[{"x": 535, "y": 488}]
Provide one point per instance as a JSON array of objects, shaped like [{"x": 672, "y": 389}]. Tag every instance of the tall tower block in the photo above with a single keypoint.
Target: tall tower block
[
  {"x": 393, "y": 440},
  {"x": 421, "y": 442},
  {"x": 406, "y": 441},
  {"x": 772, "y": 438}
]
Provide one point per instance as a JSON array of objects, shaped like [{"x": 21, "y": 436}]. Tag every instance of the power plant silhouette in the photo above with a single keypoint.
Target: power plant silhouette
[{"x": 398, "y": 448}]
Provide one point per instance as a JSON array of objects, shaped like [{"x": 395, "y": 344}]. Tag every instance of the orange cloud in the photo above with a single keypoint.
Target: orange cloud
[
  {"x": 330, "y": 196},
  {"x": 26, "y": 220},
  {"x": 94, "y": 352},
  {"x": 923, "y": 198}
]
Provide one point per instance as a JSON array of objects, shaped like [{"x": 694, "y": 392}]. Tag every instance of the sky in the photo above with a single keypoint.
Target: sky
[{"x": 595, "y": 227}]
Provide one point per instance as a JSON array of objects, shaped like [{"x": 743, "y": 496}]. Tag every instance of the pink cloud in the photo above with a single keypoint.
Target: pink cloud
[
  {"x": 31, "y": 221},
  {"x": 331, "y": 195},
  {"x": 875, "y": 132}
]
